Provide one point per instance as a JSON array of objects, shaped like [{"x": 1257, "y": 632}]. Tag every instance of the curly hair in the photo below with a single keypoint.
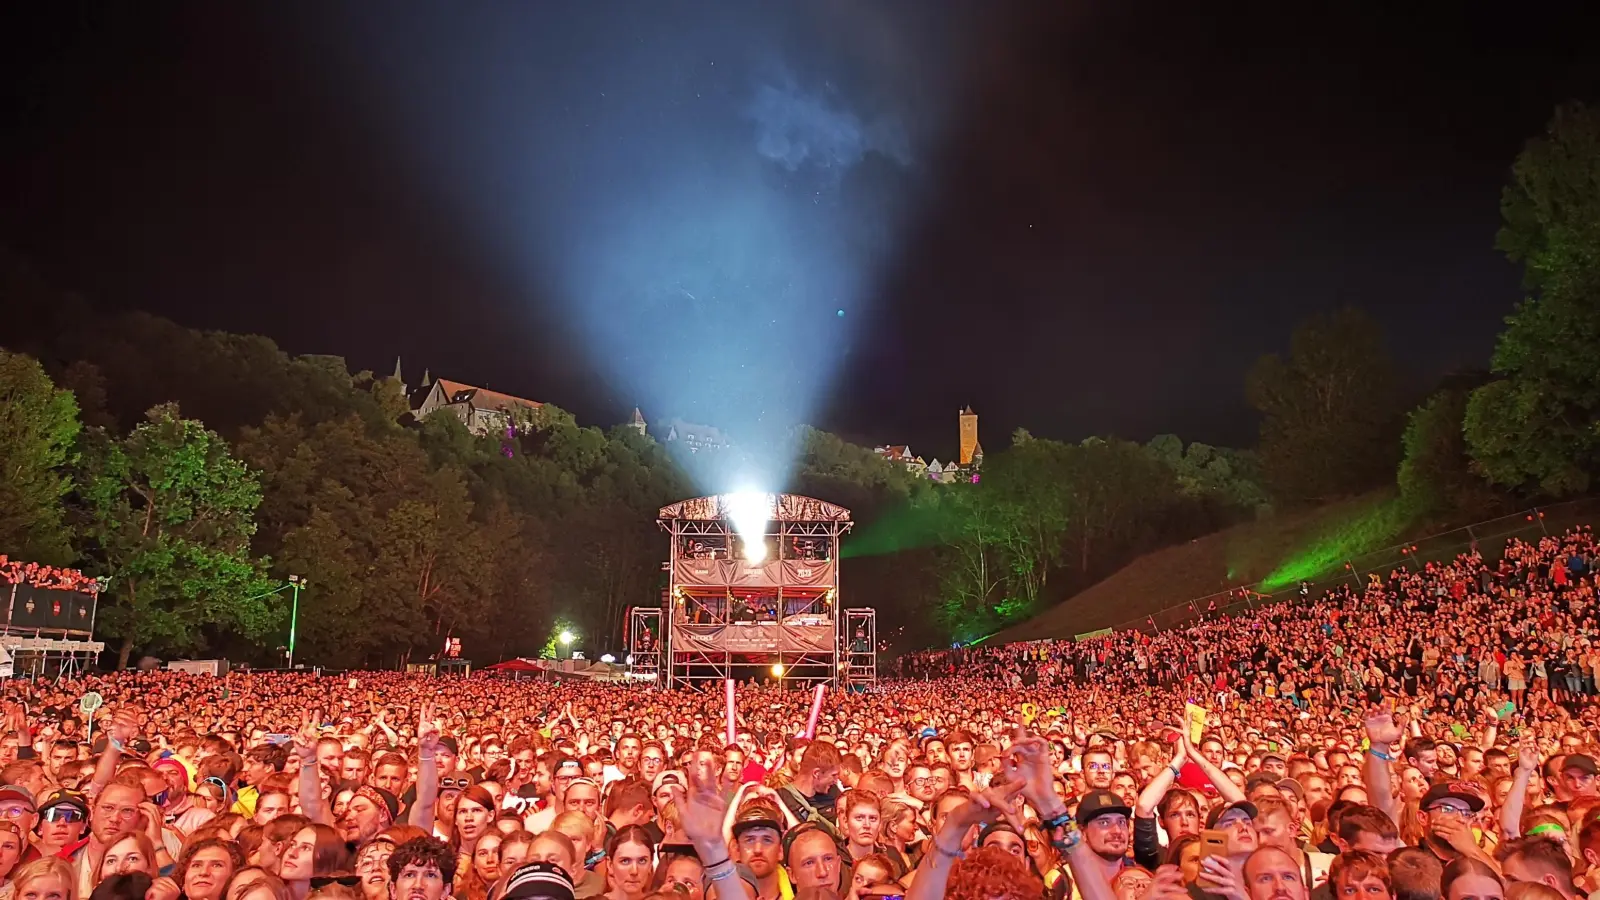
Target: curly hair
[
  {"x": 424, "y": 852},
  {"x": 990, "y": 873},
  {"x": 193, "y": 848}
]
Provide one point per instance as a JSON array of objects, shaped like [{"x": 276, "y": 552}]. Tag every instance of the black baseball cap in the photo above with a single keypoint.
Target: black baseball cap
[
  {"x": 757, "y": 815},
  {"x": 1452, "y": 790},
  {"x": 540, "y": 879},
  {"x": 1101, "y": 803}
]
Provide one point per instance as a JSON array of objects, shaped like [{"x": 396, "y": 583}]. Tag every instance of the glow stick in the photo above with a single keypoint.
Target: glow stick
[
  {"x": 727, "y": 685},
  {"x": 816, "y": 711}
]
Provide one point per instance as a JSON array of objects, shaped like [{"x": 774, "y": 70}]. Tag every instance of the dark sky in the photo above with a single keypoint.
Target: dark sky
[{"x": 1078, "y": 218}]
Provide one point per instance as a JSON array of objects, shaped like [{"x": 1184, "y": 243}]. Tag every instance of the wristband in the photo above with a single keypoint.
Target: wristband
[
  {"x": 1071, "y": 836},
  {"x": 721, "y": 871},
  {"x": 952, "y": 854},
  {"x": 118, "y": 745},
  {"x": 1176, "y": 772},
  {"x": 1054, "y": 822},
  {"x": 1386, "y": 757}
]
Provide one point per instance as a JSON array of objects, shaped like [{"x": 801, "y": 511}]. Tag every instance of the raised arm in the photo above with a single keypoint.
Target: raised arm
[
  {"x": 1033, "y": 764},
  {"x": 122, "y": 729},
  {"x": 427, "y": 770},
  {"x": 1384, "y": 730},
  {"x": 1226, "y": 789},
  {"x": 1511, "y": 812},
  {"x": 305, "y": 750},
  {"x": 1145, "y": 806},
  {"x": 702, "y": 809}
]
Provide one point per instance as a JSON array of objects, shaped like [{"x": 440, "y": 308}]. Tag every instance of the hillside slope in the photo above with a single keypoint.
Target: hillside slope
[{"x": 1238, "y": 556}]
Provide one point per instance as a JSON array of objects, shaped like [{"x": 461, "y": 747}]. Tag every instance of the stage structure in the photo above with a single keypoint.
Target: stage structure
[
  {"x": 49, "y": 620},
  {"x": 769, "y": 607}
]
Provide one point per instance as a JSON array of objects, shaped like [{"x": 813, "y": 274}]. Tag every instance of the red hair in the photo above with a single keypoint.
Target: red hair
[{"x": 990, "y": 873}]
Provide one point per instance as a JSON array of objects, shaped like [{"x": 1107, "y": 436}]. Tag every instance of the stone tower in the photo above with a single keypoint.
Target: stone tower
[{"x": 969, "y": 435}]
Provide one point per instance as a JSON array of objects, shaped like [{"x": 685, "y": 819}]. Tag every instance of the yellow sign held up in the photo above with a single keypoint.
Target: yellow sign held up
[
  {"x": 1029, "y": 713},
  {"x": 1195, "y": 716}
]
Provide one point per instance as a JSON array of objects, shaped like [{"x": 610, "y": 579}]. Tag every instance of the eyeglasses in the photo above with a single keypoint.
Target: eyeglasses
[
  {"x": 1098, "y": 767},
  {"x": 63, "y": 814},
  {"x": 322, "y": 881},
  {"x": 454, "y": 784},
  {"x": 1448, "y": 811}
]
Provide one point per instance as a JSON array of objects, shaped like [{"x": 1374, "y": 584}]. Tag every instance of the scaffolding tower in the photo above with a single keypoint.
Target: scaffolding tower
[{"x": 753, "y": 591}]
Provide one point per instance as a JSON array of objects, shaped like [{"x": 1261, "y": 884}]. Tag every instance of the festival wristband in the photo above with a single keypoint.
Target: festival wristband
[{"x": 1386, "y": 757}]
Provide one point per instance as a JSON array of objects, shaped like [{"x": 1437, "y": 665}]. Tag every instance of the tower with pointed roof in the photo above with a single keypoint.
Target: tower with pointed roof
[
  {"x": 969, "y": 437},
  {"x": 636, "y": 422}
]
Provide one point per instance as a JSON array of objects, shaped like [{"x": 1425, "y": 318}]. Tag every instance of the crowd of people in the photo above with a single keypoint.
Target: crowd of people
[{"x": 1428, "y": 737}]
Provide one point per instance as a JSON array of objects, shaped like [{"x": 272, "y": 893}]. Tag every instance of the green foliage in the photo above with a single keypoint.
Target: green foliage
[
  {"x": 1436, "y": 477},
  {"x": 1044, "y": 510},
  {"x": 1221, "y": 475},
  {"x": 1329, "y": 411},
  {"x": 1537, "y": 428},
  {"x": 38, "y": 427},
  {"x": 167, "y": 513}
]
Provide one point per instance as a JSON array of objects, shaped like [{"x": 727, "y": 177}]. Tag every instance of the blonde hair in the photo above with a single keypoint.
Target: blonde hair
[{"x": 39, "y": 869}]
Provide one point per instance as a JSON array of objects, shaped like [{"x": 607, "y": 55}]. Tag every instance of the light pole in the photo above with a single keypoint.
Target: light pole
[
  {"x": 295, "y": 583},
  {"x": 566, "y": 638}
]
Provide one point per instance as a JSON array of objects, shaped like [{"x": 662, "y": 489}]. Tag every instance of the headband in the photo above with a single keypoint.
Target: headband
[{"x": 378, "y": 800}]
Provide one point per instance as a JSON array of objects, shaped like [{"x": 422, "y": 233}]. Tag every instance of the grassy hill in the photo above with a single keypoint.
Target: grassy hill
[
  {"x": 1274, "y": 553},
  {"x": 1282, "y": 547}
]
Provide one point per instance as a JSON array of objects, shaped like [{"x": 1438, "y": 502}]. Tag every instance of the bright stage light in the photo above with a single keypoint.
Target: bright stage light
[
  {"x": 777, "y": 670},
  {"x": 750, "y": 511},
  {"x": 566, "y": 638}
]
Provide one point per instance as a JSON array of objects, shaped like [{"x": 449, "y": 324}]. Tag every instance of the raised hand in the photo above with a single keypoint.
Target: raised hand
[
  {"x": 124, "y": 726},
  {"x": 1528, "y": 753},
  {"x": 701, "y": 808},
  {"x": 1167, "y": 884},
  {"x": 427, "y": 731},
  {"x": 1031, "y": 757},
  {"x": 305, "y": 740},
  {"x": 1384, "y": 727},
  {"x": 163, "y": 889}
]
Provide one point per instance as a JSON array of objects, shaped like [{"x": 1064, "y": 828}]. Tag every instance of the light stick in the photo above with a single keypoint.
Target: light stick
[{"x": 816, "y": 711}]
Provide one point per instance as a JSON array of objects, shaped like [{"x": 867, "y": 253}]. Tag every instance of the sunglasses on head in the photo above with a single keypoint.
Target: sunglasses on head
[{"x": 322, "y": 881}]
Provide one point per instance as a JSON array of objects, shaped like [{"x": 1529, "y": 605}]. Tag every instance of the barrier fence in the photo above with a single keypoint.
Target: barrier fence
[{"x": 1489, "y": 536}]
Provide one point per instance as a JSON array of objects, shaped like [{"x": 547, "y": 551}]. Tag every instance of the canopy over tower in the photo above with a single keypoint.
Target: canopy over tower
[{"x": 753, "y": 591}]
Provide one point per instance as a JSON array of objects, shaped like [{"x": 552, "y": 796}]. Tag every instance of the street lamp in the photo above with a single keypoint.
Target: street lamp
[
  {"x": 295, "y": 583},
  {"x": 566, "y": 638}
]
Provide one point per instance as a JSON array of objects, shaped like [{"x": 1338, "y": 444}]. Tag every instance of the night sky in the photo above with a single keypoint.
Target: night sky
[{"x": 1079, "y": 218}]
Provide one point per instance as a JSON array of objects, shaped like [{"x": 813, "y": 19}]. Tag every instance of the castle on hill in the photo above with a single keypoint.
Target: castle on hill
[{"x": 965, "y": 467}]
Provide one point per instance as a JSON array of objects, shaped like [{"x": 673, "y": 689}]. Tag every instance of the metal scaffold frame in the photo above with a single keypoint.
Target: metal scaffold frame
[
  {"x": 859, "y": 637},
  {"x": 725, "y": 616},
  {"x": 644, "y": 643}
]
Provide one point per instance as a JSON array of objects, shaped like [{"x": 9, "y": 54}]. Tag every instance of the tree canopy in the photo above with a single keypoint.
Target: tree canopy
[
  {"x": 1328, "y": 411},
  {"x": 1538, "y": 426}
]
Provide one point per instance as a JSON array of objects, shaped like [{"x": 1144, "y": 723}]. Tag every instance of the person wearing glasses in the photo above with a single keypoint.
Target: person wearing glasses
[
  {"x": 63, "y": 818},
  {"x": 1447, "y": 812}
]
